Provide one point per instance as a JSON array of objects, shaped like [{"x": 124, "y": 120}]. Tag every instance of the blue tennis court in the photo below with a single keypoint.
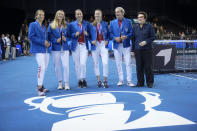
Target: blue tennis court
[{"x": 170, "y": 105}]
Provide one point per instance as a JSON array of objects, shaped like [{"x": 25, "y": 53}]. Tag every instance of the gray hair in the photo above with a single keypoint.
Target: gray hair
[{"x": 121, "y": 9}]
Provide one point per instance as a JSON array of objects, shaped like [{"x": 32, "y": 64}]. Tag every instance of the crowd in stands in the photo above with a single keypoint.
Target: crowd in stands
[
  {"x": 187, "y": 33},
  {"x": 161, "y": 31},
  {"x": 13, "y": 46}
]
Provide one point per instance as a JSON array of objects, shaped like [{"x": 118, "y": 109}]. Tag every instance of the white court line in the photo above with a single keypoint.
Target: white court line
[
  {"x": 178, "y": 75},
  {"x": 174, "y": 74},
  {"x": 183, "y": 76}
]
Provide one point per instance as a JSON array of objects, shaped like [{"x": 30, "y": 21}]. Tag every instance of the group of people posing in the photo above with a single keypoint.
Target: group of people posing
[{"x": 120, "y": 31}]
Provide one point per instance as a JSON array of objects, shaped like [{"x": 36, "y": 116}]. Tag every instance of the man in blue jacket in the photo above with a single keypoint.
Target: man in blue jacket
[
  {"x": 143, "y": 37},
  {"x": 120, "y": 32}
]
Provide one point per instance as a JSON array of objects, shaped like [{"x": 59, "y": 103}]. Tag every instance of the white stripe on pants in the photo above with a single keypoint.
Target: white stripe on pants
[
  {"x": 42, "y": 61},
  {"x": 80, "y": 58},
  {"x": 103, "y": 52},
  {"x": 58, "y": 58},
  {"x": 118, "y": 53}
]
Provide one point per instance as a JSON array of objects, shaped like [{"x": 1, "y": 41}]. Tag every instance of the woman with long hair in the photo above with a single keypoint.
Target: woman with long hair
[
  {"x": 57, "y": 34},
  {"x": 99, "y": 46},
  {"x": 40, "y": 47}
]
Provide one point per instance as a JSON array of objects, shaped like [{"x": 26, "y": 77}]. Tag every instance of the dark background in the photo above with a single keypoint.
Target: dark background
[{"x": 14, "y": 12}]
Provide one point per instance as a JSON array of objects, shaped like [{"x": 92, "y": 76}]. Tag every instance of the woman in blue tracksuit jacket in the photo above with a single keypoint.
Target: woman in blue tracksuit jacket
[
  {"x": 40, "y": 47},
  {"x": 58, "y": 36},
  {"x": 79, "y": 35},
  {"x": 99, "y": 39},
  {"x": 121, "y": 32}
]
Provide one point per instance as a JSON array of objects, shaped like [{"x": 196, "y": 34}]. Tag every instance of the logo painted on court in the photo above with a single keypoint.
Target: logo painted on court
[{"x": 101, "y": 111}]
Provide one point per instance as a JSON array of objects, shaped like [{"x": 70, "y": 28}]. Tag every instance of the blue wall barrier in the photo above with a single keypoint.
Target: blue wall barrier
[{"x": 178, "y": 43}]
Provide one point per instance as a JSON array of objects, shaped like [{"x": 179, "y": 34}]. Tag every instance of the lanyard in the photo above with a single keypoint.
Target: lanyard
[
  {"x": 120, "y": 27},
  {"x": 43, "y": 30},
  {"x": 99, "y": 28},
  {"x": 60, "y": 29},
  {"x": 80, "y": 28}
]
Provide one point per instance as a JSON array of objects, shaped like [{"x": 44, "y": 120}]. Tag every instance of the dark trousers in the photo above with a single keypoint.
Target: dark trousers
[
  {"x": 3, "y": 53},
  {"x": 144, "y": 65}
]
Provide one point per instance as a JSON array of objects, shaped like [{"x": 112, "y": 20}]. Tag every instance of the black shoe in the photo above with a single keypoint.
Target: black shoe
[
  {"x": 44, "y": 89},
  {"x": 150, "y": 85},
  {"x": 139, "y": 85},
  {"x": 105, "y": 84},
  {"x": 40, "y": 92},
  {"x": 84, "y": 84},
  {"x": 99, "y": 84},
  {"x": 80, "y": 84}
]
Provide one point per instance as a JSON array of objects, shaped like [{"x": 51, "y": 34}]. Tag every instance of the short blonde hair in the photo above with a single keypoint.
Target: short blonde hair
[{"x": 121, "y": 9}]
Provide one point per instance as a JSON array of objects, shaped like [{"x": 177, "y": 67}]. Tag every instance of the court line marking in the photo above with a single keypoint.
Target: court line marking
[
  {"x": 178, "y": 75},
  {"x": 173, "y": 74},
  {"x": 183, "y": 76}
]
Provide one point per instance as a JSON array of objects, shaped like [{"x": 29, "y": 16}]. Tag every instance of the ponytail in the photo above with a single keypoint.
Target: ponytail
[{"x": 94, "y": 23}]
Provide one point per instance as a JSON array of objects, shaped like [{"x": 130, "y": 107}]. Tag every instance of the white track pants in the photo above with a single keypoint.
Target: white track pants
[
  {"x": 118, "y": 53},
  {"x": 80, "y": 58},
  {"x": 42, "y": 61},
  {"x": 61, "y": 58},
  {"x": 103, "y": 52}
]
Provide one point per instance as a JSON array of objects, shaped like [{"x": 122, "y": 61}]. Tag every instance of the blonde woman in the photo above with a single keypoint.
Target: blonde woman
[
  {"x": 57, "y": 33},
  {"x": 99, "y": 46},
  {"x": 40, "y": 47}
]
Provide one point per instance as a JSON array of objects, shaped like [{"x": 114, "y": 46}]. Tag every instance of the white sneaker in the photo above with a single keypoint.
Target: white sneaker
[
  {"x": 60, "y": 87},
  {"x": 120, "y": 83},
  {"x": 67, "y": 86},
  {"x": 130, "y": 84},
  {"x": 41, "y": 93}
]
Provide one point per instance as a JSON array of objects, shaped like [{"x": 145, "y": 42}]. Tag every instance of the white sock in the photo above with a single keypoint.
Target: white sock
[{"x": 60, "y": 83}]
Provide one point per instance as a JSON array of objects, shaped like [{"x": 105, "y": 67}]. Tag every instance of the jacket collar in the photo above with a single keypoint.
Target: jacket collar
[
  {"x": 40, "y": 26},
  {"x": 81, "y": 22},
  {"x": 117, "y": 23}
]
